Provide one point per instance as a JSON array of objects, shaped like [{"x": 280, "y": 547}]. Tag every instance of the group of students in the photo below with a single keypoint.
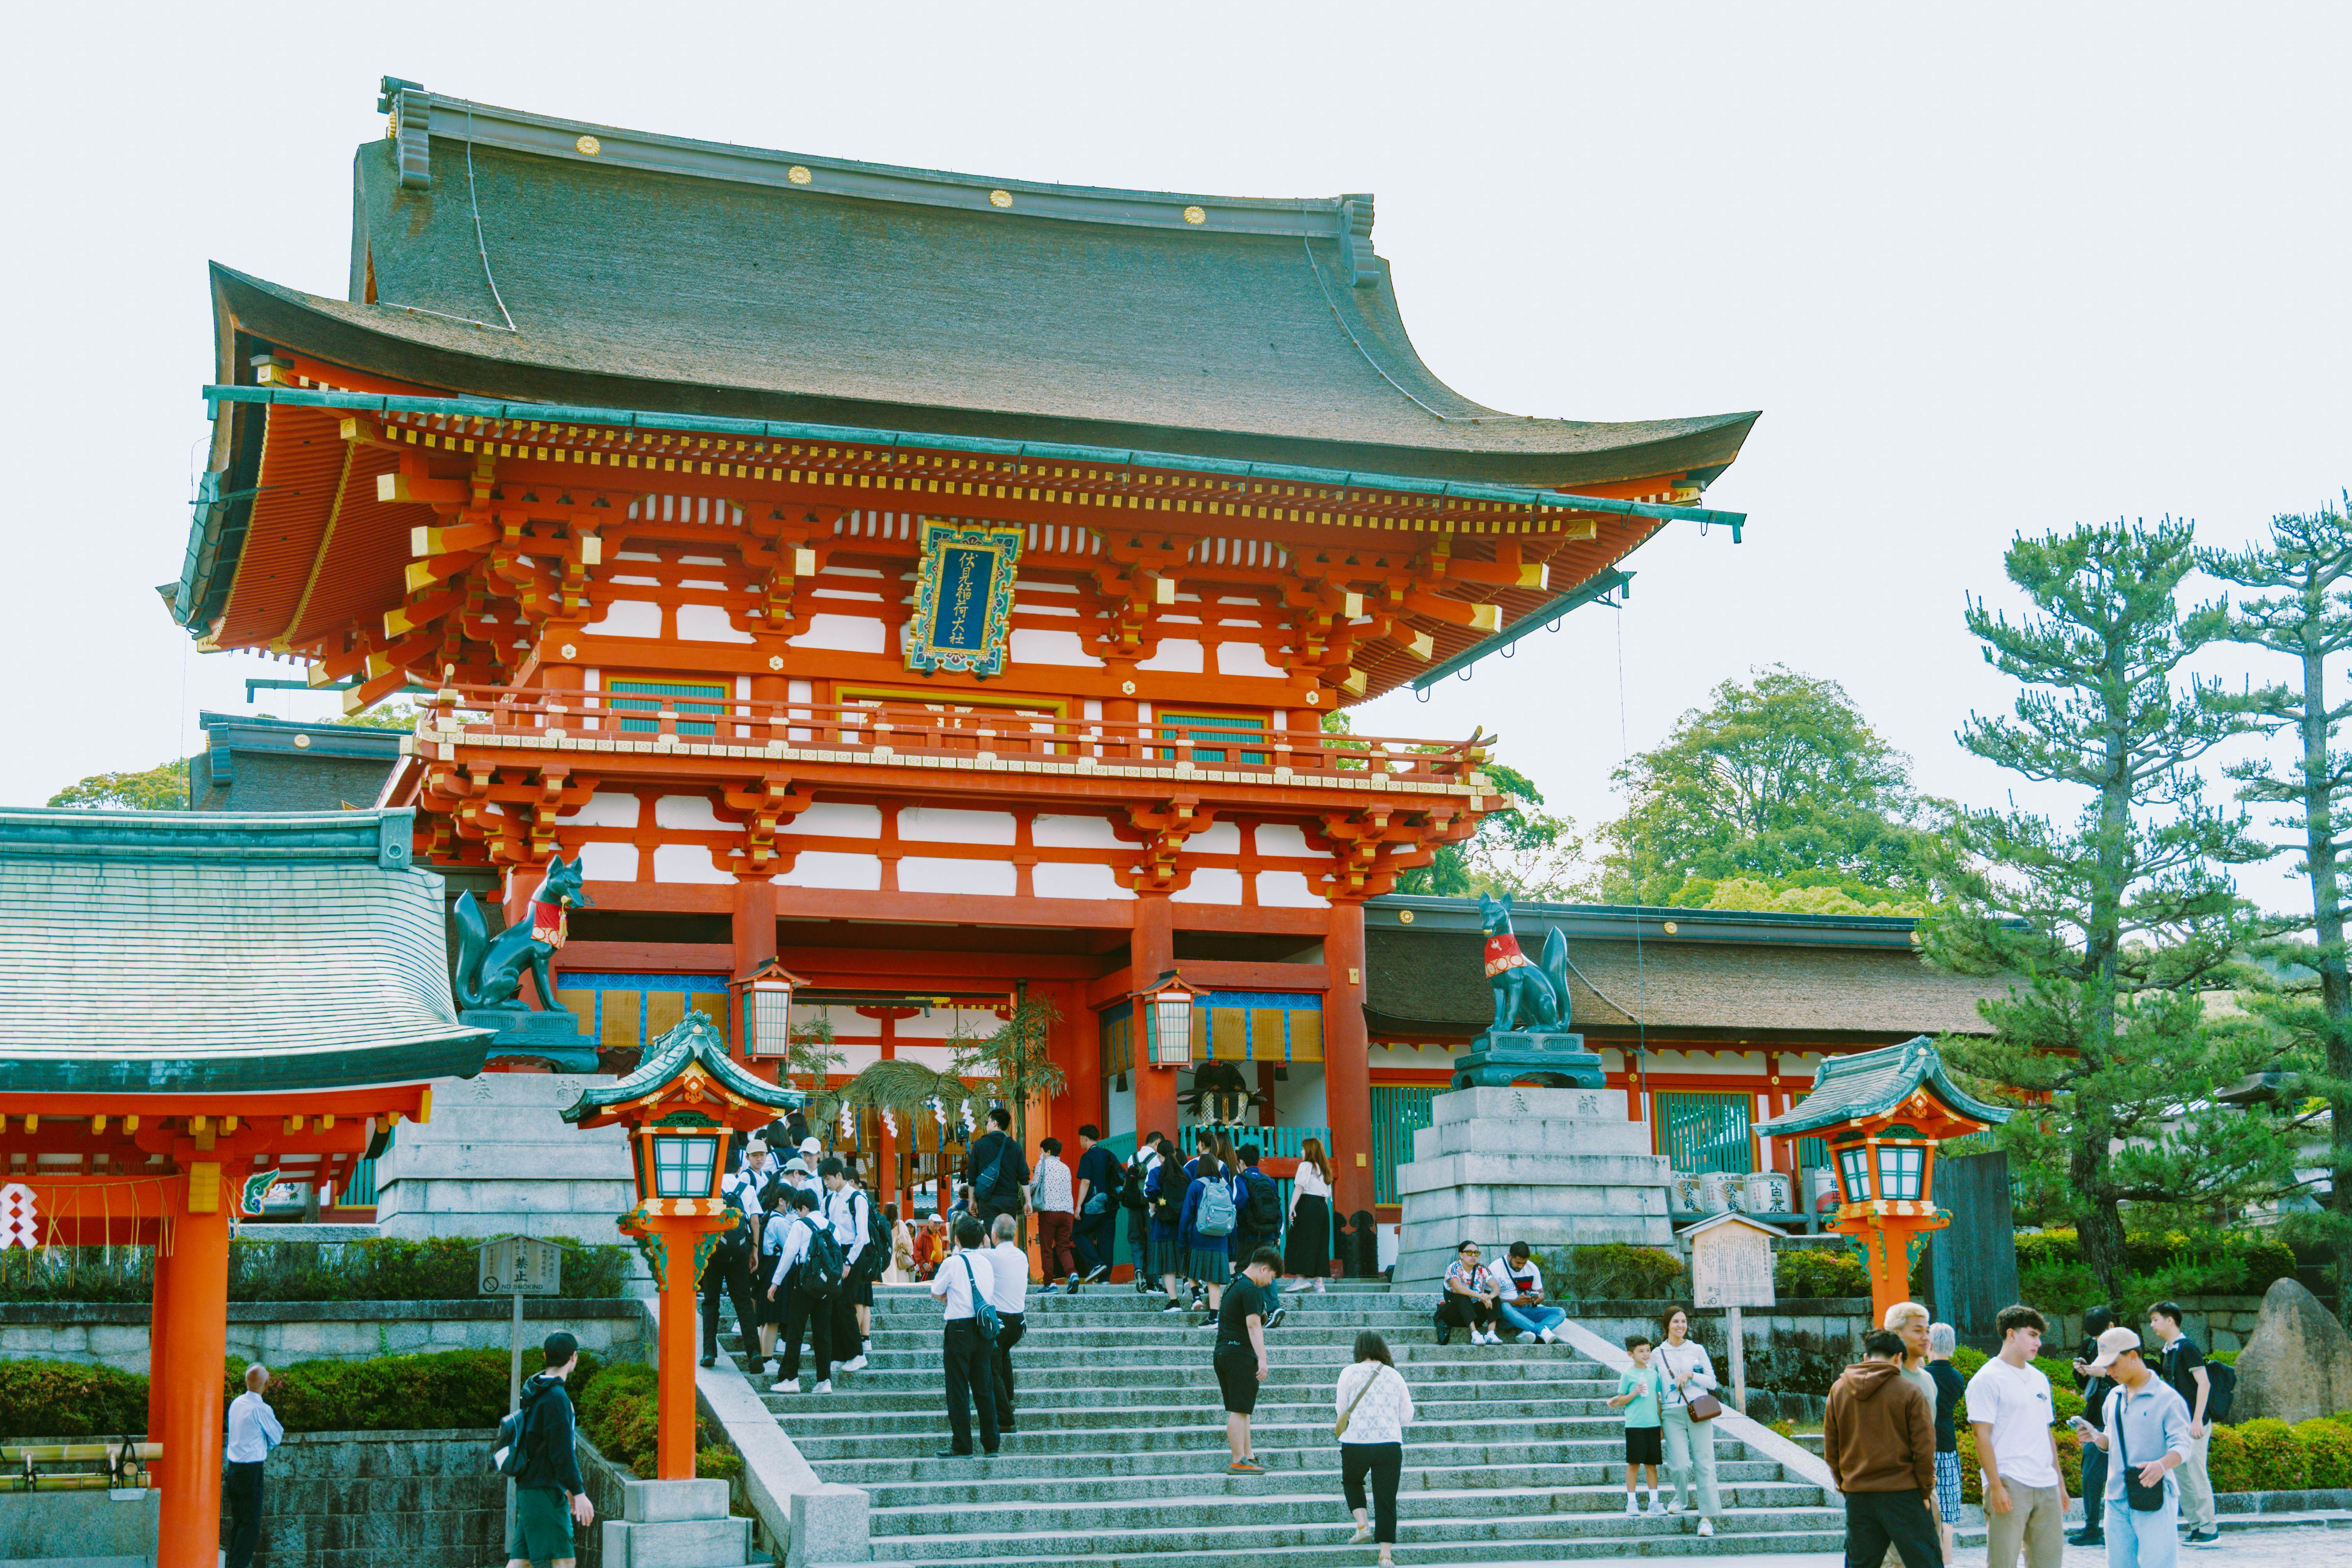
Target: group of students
[
  {"x": 1891, "y": 1440},
  {"x": 1197, "y": 1222},
  {"x": 801, "y": 1264}
]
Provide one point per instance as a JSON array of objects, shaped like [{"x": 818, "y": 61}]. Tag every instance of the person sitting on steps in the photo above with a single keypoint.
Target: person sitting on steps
[{"x": 1469, "y": 1299}]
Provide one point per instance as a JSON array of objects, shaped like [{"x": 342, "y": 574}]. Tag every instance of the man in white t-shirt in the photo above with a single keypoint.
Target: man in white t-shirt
[
  {"x": 2010, "y": 1410},
  {"x": 961, "y": 1351},
  {"x": 1009, "y": 1297},
  {"x": 1519, "y": 1296}
]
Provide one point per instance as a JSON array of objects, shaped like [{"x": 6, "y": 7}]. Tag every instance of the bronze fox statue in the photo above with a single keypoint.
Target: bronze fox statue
[
  {"x": 1527, "y": 995},
  {"x": 491, "y": 968}
]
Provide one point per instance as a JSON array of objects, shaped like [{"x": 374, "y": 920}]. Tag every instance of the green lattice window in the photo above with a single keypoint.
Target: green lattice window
[
  {"x": 1210, "y": 728},
  {"x": 1706, "y": 1131},
  {"x": 650, "y": 697},
  {"x": 1399, "y": 1111}
]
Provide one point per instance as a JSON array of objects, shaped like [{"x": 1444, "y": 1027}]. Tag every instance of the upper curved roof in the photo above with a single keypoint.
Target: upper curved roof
[{"x": 661, "y": 273}]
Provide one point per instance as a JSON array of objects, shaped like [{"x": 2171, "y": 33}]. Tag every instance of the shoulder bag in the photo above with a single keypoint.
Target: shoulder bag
[
  {"x": 984, "y": 1311},
  {"x": 1699, "y": 1403},
  {"x": 2143, "y": 1499},
  {"x": 1349, "y": 1413}
]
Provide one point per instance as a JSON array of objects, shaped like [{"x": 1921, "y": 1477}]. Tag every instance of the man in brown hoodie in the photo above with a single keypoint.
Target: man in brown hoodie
[{"x": 1879, "y": 1438}]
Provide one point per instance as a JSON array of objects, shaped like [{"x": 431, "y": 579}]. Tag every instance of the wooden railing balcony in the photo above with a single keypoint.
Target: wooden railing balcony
[{"x": 538, "y": 718}]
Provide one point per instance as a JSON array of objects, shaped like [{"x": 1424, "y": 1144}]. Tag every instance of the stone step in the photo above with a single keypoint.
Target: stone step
[
  {"x": 1189, "y": 1367},
  {"x": 1177, "y": 1350},
  {"x": 1047, "y": 1333},
  {"x": 851, "y": 1399},
  {"x": 814, "y": 1416},
  {"x": 1463, "y": 1539},
  {"x": 1058, "y": 1460},
  {"x": 1190, "y": 1428},
  {"x": 1433, "y": 1554},
  {"x": 1009, "y": 1480},
  {"x": 1245, "y": 1510}
]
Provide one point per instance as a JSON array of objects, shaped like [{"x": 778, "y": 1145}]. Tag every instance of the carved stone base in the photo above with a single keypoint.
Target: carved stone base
[
  {"x": 1553, "y": 1060},
  {"x": 554, "y": 1038}
]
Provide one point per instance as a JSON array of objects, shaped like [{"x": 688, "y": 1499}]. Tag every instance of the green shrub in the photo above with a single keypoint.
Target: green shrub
[
  {"x": 2226, "y": 1464},
  {"x": 2228, "y": 1358},
  {"x": 2279, "y": 1463},
  {"x": 438, "y": 1268},
  {"x": 1615, "y": 1271},
  {"x": 618, "y": 1412},
  {"x": 64, "y": 1399},
  {"x": 2157, "y": 1265},
  {"x": 1808, "y": 1273},
  {"x": 2326, "y": 1452}
]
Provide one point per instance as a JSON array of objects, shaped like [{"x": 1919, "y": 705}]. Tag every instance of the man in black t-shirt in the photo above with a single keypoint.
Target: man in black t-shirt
[
  {"x": 2184, "y": 1368},
  {"x": 1096, "y": 1194},
  {"x": 1240, "y": 1358}
]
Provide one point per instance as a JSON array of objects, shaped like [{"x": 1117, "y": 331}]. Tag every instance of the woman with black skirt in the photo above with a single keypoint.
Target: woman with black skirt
[{"x": 1307, "y": 1251}]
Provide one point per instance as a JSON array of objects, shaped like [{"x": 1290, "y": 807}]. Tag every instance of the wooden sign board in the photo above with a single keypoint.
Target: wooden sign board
[
  {"x": 1731, "y": 1262},
  {"x": 519, "y": 1266}
]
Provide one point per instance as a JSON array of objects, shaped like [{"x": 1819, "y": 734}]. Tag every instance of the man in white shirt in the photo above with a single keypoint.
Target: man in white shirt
[
  {"x": 1010, "y": 1296},
  {"x": 799, "y": 1307},
  {"x": 849, "y": 1211},
  {"x": 253, "y": 1431},
  {"x": 962, "y": 1352},
  {"x": 2010, "y": 1411},
  {"x": 1519, "y": 1296}
]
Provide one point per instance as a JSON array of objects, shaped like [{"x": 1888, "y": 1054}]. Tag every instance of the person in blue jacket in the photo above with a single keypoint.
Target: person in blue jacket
[
  {"x": 1163, "y": 1197},
  {"x": 1210, "y": 1256}
]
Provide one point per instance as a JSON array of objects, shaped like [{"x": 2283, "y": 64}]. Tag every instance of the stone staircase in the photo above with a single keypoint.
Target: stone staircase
[{"x": 1119, "y": 1458}]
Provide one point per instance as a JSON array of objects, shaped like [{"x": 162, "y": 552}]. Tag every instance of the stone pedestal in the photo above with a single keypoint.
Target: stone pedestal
[
  {"x": 1552, "y": 1058},
  {"x": 1552, "y": 1167},
  {"x": 552, "y": 1037},
  {"x": 675, "y": 1524},
  {"x": 496, "y": 1159}
]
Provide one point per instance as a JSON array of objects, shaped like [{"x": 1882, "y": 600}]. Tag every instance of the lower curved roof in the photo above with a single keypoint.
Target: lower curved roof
[{"x": 176, "y": 952}]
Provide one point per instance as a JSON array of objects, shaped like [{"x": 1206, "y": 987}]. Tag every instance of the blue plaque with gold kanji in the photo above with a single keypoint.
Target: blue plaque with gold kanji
[{"x": 963, "y": 597}]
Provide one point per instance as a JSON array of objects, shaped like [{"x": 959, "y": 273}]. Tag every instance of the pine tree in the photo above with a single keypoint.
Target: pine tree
[
  {"x": 2308, "y": 564},
  {"x": 2117, "y": 924}
]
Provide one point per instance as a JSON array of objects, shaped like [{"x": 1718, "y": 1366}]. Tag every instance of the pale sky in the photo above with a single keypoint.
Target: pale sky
[{"x": 1984, "y": 269}]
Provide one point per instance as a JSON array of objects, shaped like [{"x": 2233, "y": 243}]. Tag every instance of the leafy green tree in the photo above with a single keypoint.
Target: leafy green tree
[
  {"x": 1779, "y": 780},
  {"x": 2306, "y": 569},
  {"x": 164, "y": 787},
  {"x": 2118, "y": 922},
  {"x": 1517, "y": 849}
]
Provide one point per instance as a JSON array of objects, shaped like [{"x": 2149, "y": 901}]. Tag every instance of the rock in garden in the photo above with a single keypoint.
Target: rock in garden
[{"x": 2299, "y": 1362}]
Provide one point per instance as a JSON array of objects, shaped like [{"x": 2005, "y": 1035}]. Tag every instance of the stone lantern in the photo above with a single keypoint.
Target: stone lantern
[
  {"x": 683, "y": 1106},
  {"x": 1883, "y": 1114}
]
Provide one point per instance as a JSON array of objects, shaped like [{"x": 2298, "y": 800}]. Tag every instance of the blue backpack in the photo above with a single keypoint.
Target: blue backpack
[{"x": 1216, "y": 1213}]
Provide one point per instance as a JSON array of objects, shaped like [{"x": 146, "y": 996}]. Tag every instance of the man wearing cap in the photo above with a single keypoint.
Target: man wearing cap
[
  {"x": 541, "y": 1531},
  {"x": 2145, "y": 1439}
]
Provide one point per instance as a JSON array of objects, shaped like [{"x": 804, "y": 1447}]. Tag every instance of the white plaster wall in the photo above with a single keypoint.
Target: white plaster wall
[
  {"x": 1211, "y": 885},
  {"x": 1282, "y": 840},
  {"x": 1075, "y": 832},
  {"x": 937, "y": 1057},
  {"x": 607, "y": 808},
  {"x": 691, "y": 812},
  {"x": 1217, "y": 838},
  {"x": 1177, "y": 656},
  {"x": 1300, "y": 1102},
  {"x": 609, "y": 862},
  {"x": 687, "y": 863},
  {"x": 1287, "y": 889},
  {"x": 924, "y": 874},
  {"x": 1243, "y": 659},
  {"x": 849, "y": 633},
  {"x": 1030, "y": 645},
  {"x": 837, "y": 820},
  {"x": 824, "y": 868},
  {"x": 708, "y": 623},
  {"x": 629, "y": 619},
  {"x": 931, "y": 824},
  {"x": 943, "y": 1023},
  {"x": 1052, "y": 879}
]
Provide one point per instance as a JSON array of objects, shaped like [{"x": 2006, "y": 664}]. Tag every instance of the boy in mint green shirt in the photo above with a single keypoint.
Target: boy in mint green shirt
[{"x": 1639, "y": 1389}]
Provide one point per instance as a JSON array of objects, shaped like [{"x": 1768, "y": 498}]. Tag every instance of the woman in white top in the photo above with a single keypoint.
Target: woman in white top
[
  {"x": 1690, "y": 1445},
  {"x": 1377, "y": 1407},
  {"x": 1307, "y": 1249}
]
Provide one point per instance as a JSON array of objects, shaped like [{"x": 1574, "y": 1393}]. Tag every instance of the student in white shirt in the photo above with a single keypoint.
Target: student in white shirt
[
  {"x": 849, "y": 1212},
  {"x": 1519, "y": 1296},
  {"x": 1010, "y": 1296},
  {"x": 253, "y": 1431},
  {"x": 800, "y": 1308},
  {"x": 2010, "y": 1411},
  {"x": 1378, "y": 1405},
  {"x": 962, "y": 1352},
  {"x": 1307, "y": 1244}
]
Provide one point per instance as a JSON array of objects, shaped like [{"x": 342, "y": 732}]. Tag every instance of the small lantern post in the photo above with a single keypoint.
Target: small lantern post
[
  {"x": 763, "y": 1011},
  {"x": 684, "y": 1107},
  {"x": 1166, "y": 1009},
  {"x": 1883, "y": 1113}
]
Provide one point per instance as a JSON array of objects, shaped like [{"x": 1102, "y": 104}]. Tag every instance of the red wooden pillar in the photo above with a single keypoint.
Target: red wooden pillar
[
  {"x": 1078, "y": 1047},
  {"x": 1151, "y": 953},
  {"x": 755, "y": 941},
  {"x": 1346, "y": 1061},
  {"x": 196, "y": 1329},
  {"x": 159, "y": 1339}
]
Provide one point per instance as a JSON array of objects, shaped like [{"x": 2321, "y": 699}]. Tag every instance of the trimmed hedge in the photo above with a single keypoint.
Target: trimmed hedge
[
  {"x": 438, "y": 1269},
  {"x": 618, "y": 1414},
  {"x": 2157, "y": 1265},
  {"x": 1810, "y": 1273},
  {"x": 64, "y": 1399}
]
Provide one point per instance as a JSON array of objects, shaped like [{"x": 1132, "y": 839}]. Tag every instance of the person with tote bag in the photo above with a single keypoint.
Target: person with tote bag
[
  {"x": 1690, "y": 1410},
  {"x": 1375, "y": 1407}
]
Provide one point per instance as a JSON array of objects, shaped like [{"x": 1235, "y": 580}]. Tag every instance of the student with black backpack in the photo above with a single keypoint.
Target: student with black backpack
[
  {"x": 1261, "y": 1217},
  {"x": 850, "y": 1213},
  {"x": 1135, "y": 1197},
  {"x": 809, "y": 1275},
  {"x": 994, "y": 1167},
  {"x": 550, "y": 1496}
]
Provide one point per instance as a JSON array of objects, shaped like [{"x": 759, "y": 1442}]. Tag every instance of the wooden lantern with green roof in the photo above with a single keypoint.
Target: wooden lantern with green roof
[
  {"x": 1883, "y": 1113},
  {"x": 683, "y": 1106}
]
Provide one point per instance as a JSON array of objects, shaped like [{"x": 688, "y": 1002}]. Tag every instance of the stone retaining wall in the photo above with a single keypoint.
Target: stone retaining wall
[
  {"x": 2215, "y": 1322},
  {"x": 362, "y": 1500},
  {"x": 114, "y": 1334}
]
